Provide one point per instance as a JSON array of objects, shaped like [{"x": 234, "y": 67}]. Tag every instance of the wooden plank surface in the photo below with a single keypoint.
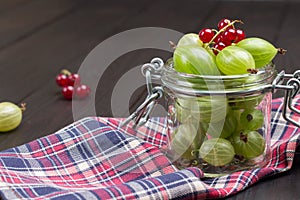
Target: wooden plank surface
[
  {"x": 71, "y": 38},
  {"x": 29, "y": 17},
  {"x": 40, "y": 37},
  {"x": 7, "y": 5}
]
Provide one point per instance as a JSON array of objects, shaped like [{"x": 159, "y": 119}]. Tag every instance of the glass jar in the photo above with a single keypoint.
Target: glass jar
[{"x": 220, "y": 124}]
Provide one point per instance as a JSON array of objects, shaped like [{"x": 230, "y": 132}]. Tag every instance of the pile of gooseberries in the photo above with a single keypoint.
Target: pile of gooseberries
[
  {"x": 222, "y": 51},
  {"x": 236, "y": 137},
  {"x": 220, "y": 140}
]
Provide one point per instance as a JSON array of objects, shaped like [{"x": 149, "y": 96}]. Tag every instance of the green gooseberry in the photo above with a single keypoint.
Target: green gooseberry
[
  {"x": 233, "y": 60},
  {"x": 189, "y": 39},
  {"x": 261, "y": 50},
  {"x": 251, "y": 119},
  {"x": 224, "y": 128},
  {"x": 217, "y": 151},
  {"x": 204, "y": 109},
  {"x": 194, "y": 59},
  {"x": 249, "y": 144}
]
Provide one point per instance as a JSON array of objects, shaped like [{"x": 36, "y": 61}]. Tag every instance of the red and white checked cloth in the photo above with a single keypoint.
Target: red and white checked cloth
[{"x": 92, "y": 159}]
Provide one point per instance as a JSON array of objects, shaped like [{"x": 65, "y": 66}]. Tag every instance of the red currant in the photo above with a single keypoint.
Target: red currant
[
  {"x": 68, "y": 92},
  {"x": 218, "y": 38},
  {"x": 73, "y": 78},
  {"x": 224, "y": 22},
  {"x": 62, "y": 80},
  {"x": 240, "y": 35},
  {"x": 82, "y": 91},
  {"x": 226, "y": 42},
  {"x": 229, "y": 35},
  {"x": 206, "y": 34},
  {"x": 218, "y": 47}
]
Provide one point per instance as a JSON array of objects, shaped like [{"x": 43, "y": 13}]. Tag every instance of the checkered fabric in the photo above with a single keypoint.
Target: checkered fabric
[{"x": 93, "y": 159}]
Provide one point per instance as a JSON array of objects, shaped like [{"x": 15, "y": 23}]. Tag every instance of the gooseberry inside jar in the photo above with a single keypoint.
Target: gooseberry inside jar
[{"x": 220, "y": 124}]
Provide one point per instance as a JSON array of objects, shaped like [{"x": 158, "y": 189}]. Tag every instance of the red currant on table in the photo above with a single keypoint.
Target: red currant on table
[
  {"x": 68, "y": 92},
  {"x": 206, "y": 34},
  {"x": 224, "y": 22},
  {"x": 62, "y": 80},
  {"x": 73, "y": 78},
  {"x": 71, "y": 86},
  {"x": 82, "y": 91}
]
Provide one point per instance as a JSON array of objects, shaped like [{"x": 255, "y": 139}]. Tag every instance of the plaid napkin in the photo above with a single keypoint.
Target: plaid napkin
[{"x": 93, "y": 159}]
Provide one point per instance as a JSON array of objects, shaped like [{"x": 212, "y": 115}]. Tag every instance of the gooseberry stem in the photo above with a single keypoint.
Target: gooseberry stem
[
  {"x": 173, "y": 45},
  {"x": 65, "y": 72},
  {"x": 281, "y": 51},
  {"x": 23, "y": 107},
  {"x": 195, "y": 152},
  {"x": 243, "y": 137},
  {"x": 215, "y": 49},
  {"x": 252, "y": 71}
]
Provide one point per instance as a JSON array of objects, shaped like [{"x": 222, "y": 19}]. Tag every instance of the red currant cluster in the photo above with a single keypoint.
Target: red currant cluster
[
  {"x": 67, "y": 81},
  {"x": 226, "y": 35}
]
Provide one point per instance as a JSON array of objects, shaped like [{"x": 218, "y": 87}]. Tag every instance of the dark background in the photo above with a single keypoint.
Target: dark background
[{"x": 40, "y": 37}]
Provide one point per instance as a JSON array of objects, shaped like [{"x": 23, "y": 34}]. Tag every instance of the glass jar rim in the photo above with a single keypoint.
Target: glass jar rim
[{"x": 206, "y": 84}]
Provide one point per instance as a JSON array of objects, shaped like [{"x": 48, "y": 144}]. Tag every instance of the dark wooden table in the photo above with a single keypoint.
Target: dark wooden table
[{"x": 40, "y": 37}]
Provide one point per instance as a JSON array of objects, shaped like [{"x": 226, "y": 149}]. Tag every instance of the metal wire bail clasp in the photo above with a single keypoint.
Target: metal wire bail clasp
[
  {"x": 141, "y": 115},
  {"x": 291, "y": 88}
]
